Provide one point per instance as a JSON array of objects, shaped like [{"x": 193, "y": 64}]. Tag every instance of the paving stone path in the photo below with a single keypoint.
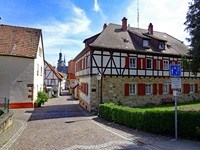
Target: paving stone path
[{"x": 61, "y": 124}]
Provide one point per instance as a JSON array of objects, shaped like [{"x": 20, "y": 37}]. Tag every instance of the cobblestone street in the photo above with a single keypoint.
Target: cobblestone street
[{"x": 61, "y": 124}]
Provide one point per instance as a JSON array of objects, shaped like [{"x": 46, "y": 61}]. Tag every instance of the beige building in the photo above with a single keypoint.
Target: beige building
[{"x": 134, "y": 65}]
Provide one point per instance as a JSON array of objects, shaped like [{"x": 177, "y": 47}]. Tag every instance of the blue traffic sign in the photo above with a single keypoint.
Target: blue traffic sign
[{"x": 175, "y": 70}]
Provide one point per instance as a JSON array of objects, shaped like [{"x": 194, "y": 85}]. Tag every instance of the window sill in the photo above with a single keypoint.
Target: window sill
[{"x": 148, "y": 93}]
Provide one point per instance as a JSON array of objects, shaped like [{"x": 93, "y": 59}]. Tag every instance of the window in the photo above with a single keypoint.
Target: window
[
  {"x": 158, "y": 64},
  {"x": 132, "y": 89},
  {"x": 145, "y": 43},
  {"x": 133, "y": 62},
  {"x": 149, "y": 63},
  {"x": 148, "y": 89},
  {"x": 37, "y": 69},
  {"x": 191, "y": 88},
  {"x": 181, "y": 64},
  {"x": 161, "y": 45},
  {"x": 40, "y": 71},
  {"x": 165, "y": 88},
  {"x": 40, "y": 51},
  {"x": 166, "y": 64}
]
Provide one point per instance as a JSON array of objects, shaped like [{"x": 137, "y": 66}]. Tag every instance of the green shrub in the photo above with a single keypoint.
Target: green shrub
[
  {"x": 42, "y": 97},
  {"x": 159, "y": 121}
]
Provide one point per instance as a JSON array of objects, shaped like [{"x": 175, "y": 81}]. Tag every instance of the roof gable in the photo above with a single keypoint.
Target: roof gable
[
  {"x": 114, "y": 37},
  {"x": 19, "y": 41},
  {"x": 57, "y": 74}
]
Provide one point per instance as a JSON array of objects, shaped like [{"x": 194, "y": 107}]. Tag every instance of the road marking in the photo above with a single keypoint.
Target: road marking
[
  {"x": 111, "y": 145},
  {"x": 16, "y": 135}
]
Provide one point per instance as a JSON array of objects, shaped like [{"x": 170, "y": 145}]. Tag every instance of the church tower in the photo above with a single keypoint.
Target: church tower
[
  {"x": 60, "y": 61},
  {"x": 61, "y": 64}
]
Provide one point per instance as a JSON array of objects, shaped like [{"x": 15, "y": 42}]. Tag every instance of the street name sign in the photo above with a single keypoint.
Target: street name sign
[{"x": 176, "y": 83}]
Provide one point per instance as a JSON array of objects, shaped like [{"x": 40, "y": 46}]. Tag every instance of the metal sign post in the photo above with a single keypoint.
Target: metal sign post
[{"x": 175, "y": 71}]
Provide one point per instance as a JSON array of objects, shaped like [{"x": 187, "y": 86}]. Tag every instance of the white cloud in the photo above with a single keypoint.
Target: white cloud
[
  {"x": 66, "y": 34},
  {"x": 96, "y": 6},
  {"x": 165, "y": 15},
  {"x": 98, "y": 9}
]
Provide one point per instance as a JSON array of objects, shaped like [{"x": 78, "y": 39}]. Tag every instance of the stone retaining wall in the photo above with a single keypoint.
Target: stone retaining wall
[{"x": 6, "y": 120}]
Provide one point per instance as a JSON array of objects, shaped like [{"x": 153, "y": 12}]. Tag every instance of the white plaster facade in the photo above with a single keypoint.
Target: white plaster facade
[{"x": 19, "y": 74}]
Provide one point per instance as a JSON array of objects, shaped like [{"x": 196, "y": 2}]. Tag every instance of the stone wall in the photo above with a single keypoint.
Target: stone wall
[
  {"x": 6, "y": 120},
  {"x": 113, "y": 91}
]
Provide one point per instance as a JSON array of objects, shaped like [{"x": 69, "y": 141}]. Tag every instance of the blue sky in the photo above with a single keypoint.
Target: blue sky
[{"x": 66, "y": 23}]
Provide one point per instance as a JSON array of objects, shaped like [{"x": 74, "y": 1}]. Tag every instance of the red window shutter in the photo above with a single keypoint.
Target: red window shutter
[
  {"x": 170, "y": 89},
  {"x": 81, "y": 64},
  {"x": 161, "y": 64},
  {"x": 141, "y": 89},
  {"x": 196, "y": 88},
  {"x": 154, "y": 64},
  {"x": 87, "y": 88},
  {"x": 144, "y": 63},
  {"x": 170, "y": 62},
  {"x": 160, "y": 89},
  {"x": 176, "y": 62},
  {"x": 126, "y": 89},
  {"x": 154, "y": 89},
  {"x": 186, "y": 88},
  {"x": 139, "y": 63},
  {"x": 127, "y": 62}
]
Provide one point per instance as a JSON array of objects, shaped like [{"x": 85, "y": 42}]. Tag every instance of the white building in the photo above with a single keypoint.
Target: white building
[
  {"x": 21, "y": 64},
  {"x": 54, "y": 81}
]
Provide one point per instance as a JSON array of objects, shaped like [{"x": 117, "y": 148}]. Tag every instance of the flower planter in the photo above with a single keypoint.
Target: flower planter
[{"x": 36, "y": 105}]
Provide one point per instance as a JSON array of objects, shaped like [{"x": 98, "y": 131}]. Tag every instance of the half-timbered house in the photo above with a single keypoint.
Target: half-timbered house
[
  {"x": 134, "y": 64},
  {"x": 52, "y": 80}
]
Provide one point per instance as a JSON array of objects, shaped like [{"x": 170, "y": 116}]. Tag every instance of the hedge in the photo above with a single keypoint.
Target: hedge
[{"x": 154, "y": 121}]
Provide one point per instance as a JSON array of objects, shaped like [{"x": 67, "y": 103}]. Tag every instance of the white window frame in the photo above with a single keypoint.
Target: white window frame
[
  {"x": 41, "y": 71},
  {"x": 131, "y": 87},
  {"x": 145, "y": 43},
  {"x": 181, "y": 64},
  {"x": 158, "y": 64},
  {"x": 164, "y": 66},
  {"x": 161, "y": 45},
  {"x": 131, "y": 63},
  {"x": 192, "y": 88},
  {"x": 37, "y": 69},
  {"x": 147, "y": 63},
  {"x": 148, "y": 89},
  {"x": 165, "y": 88}
]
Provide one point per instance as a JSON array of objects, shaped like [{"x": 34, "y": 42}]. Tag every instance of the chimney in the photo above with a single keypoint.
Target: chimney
[
  {"x": 150, "y": 29},
  {"x": 124, "y": 24},
  {"x": 104, "y": 26}
]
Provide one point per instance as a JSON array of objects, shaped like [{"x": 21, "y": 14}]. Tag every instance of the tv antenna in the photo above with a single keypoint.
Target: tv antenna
[{"x": 138, "y": 13}]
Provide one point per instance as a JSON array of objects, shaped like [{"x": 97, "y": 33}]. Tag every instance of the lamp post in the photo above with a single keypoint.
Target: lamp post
[{"x": 98, "y": 79}]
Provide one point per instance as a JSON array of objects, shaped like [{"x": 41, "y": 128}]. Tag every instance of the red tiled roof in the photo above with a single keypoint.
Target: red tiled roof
[{"x": 19, "y": 41}]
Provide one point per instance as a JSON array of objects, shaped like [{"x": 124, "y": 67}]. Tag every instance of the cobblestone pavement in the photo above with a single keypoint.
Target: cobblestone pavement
[{"x": 61, "y": 124}]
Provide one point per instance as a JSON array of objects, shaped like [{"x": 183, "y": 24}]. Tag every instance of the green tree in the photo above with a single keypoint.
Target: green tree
[{"x": 193, "y": 27}]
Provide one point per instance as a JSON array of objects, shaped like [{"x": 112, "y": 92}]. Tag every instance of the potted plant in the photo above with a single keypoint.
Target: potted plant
[{"x": 37, "y": 103}]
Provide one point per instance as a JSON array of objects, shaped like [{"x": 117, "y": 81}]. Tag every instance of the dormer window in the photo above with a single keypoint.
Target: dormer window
[
  {"x": 161, "y": 45},
  {"x": 145, "y": 43}
]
